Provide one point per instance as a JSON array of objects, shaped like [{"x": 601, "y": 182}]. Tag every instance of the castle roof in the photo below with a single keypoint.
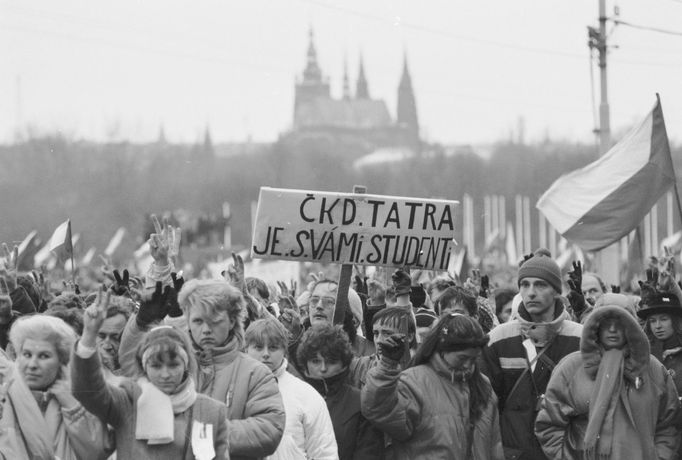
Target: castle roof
[{"x": 354, "y": 113}]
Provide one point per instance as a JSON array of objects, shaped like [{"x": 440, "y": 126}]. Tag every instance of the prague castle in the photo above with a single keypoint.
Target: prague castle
[{"x": 357, "y": 121}]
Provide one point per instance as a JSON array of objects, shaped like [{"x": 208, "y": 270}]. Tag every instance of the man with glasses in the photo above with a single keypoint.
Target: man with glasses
[{"x": 321, "y": 308}]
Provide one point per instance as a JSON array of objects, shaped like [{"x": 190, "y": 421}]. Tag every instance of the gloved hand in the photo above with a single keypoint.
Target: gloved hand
[
  {"x": 576, "y": 275},
  {"x": 650, "y": 286},
  {"x": 394, "y": 347},
  {"x": 485, "y": 286},
  {"x": 615, "y": 289},
  {"x": 401, "y": 282},
  {"x": 174, "y": 309},
  {"x": 292, "y": 322},
  {"x": 154, "y": 308},
  {"x": 122, "y": 284},
  {"x": 5, "y": 302}
]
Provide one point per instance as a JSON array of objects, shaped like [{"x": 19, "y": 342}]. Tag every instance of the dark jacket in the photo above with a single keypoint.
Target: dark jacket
[
  {"x": 356, "y": 438},
  {"x": 504, "y": 361}
]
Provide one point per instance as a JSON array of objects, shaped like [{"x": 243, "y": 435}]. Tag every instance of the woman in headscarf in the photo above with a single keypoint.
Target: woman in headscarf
[
  {"x": 441, "y": 406},
  {"x": 39, "y": 417},
  {"x": 611, "y": 399}
]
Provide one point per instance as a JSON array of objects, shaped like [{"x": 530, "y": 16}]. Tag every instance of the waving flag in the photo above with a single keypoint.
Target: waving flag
[
  {"x": 597, "y": 205},
  {"x": 61, "y": 243}
]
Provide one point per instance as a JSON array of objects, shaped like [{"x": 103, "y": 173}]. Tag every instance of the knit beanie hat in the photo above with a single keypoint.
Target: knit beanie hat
[{"x": 544, "y": 268}]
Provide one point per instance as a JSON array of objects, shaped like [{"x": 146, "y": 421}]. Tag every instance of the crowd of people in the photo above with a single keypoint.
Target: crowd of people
[{"x": 157, "y": 367}]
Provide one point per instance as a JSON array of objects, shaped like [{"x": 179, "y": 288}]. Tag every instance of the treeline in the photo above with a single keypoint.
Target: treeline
[{"x": 102, "y": 186}]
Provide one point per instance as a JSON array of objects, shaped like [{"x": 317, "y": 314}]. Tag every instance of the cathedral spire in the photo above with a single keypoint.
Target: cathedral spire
[
  {"x": 312, "y": 72},
  {"x": 361, "y": 91},
  {"x": 407, "y": 107},
  {"x": 346, "y": 86}
]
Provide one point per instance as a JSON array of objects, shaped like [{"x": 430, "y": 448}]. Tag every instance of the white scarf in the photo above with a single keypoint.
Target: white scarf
[{"x": 156, "y": 410}]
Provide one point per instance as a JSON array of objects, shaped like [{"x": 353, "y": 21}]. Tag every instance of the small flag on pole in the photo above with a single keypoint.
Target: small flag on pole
[
  {"x": 61, "y": 243},
  {"x": 597, "y": 205}
]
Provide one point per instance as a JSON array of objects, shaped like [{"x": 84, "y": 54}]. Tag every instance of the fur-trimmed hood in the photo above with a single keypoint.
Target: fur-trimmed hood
[{"x": 636, "y": 347}]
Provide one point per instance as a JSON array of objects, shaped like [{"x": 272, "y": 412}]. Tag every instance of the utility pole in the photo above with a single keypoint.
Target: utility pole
[{"x": 608, "y": 260}]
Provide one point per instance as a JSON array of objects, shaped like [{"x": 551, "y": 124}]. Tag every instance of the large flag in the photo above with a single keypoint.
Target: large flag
[
  {"x": 597, "y": 205},
  {"x": 61, "y": 243}
]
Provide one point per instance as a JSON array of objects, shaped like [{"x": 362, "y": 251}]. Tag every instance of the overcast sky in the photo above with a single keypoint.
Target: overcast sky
[{"x": 121, "y": 69}]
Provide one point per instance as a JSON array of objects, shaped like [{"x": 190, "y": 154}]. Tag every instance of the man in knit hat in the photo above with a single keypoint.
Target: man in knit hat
[{"x": 522, "y": 353}]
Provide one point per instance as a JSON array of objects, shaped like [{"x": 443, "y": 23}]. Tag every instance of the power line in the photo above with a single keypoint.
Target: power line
[{"x": 652, "y": 29}]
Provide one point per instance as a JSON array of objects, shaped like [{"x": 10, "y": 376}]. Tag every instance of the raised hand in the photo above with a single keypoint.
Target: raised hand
[
  {"x": 71, "y": 287},
  {"x": 235, "y": 273},
  {"x": 393, "y": 347},
  {"x": 576, "y": 276},
  {"x": 122, "y": 284},
  {"x": 94, "y": 316},
  {"x": 667, "y": 275},
  {"x": 174, "y": 309},
  {"x": 11, "y": 257},
  {"x": 650, "y": 286},
  {"x": 164, "y": 244},
  {"x": 154, "y": 308},
  {"x": 615, "y": 289},
  {"x": 314, "y": 278},
  {"x": 5, "y": 302},
  {"x": 401, "y": 282}
]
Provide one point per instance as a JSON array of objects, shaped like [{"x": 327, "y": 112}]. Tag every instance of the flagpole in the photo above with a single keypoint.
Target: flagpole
[
  {"x": 73, "y": 270},
  {"x": 677, "y": 197}
]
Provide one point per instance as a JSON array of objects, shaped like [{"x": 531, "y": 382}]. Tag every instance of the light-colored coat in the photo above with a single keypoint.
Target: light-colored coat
[{"x": 645, "y": 416}]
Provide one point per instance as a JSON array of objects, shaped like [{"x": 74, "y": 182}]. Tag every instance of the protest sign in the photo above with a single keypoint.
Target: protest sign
[{"x": 347, "y": 228}]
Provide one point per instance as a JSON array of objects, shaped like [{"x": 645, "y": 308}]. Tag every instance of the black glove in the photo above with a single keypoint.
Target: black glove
[
  {"x": 401, "y": 282},
  {"x": 174, "y": 309},
  {"x": 576, "y": 298},
  {"x": 576, "y": 276},
  {"x": 615, "y": 289},
  {"x": 525, "y": 258},
  {"x": 485, "y": 286},
  {"x": 394, "y": 347},
  {"x": 650, "y": 286},
  {"x": 121, "y": 286},
  {"x": 155, "y": 308}
]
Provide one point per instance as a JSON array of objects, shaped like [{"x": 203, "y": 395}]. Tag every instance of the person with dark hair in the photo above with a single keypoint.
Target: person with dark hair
[
  {"x": 109, "y": 335},
  {"x": 663, "y": 315},
  {"x": 387, "y": 322},
  {"x": 308, "y": 431},
  {"x": 611, "y": 399},
  {"x": 441, "y": 406},
  {"x": 325, "y": 355},
  {"x": 160, "y": 414},
  {"x": 522, "y": 353},
  {"x": 456, "y": 299},
  {"x": 503, "y": 303},
  {"x": 71, "y": 316}
]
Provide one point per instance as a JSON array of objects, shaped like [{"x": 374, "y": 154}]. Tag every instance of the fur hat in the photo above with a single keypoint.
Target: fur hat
[
  {"x": 661, "y": 302},
  {"x": 542, "y": 267}
]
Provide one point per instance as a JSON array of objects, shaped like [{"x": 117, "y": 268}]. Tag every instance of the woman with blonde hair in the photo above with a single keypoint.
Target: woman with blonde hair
[{"x": 39, "y": 417}]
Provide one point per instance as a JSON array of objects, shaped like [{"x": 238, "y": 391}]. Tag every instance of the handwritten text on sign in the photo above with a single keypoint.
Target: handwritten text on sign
[{"x": 352, "y": 228}]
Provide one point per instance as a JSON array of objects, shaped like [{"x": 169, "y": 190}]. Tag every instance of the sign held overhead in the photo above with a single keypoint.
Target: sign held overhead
[{"x": 347, "y": 228}]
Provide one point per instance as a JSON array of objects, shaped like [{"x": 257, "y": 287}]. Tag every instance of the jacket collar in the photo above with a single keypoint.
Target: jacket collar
[
  {"x": 541, "y": 333},
  {"x": 636, "y": 343},
  {"x": 330, "y": 386}
]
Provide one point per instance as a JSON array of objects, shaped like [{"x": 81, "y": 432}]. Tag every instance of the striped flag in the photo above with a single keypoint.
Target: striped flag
[
  {"x": 61, "y": 243},
  {"x": 597, "y": 205}
]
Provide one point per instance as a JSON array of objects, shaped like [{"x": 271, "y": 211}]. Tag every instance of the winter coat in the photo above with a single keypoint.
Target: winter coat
[
  {"x": 27, "y": 431},
  {"x": 426, "y": 414},
  {"x": 362, "y": 347},
  {"x": 117, "y": 406},
  {"x": 356, "y": 438},
  {"x": 670, "y": 357},
  {"x": 255, "y": 410},
  {"x": 643, "y": 421},
  {"x": 504, "y": 361},
  {"x": 308, "y": 432}
]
